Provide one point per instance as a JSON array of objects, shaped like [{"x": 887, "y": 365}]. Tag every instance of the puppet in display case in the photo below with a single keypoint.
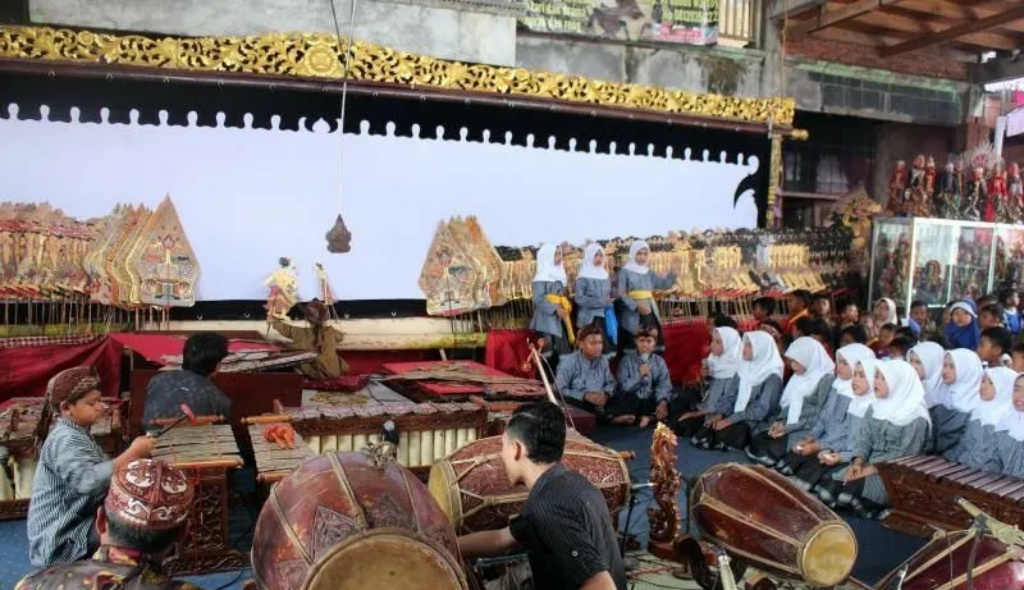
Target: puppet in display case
[
  {"x": 893, "y": 276},
  {"x": 976, "y": 195},
  {"x": 997, "y": 198},
  {"x": 948, "y": 194},
  {"x": 917, "y": 201},
  {"x": 931, "y": 283},
  {"x": 1015, "y": 194},
  {"x": 897, "y": 190},
  {"x": 972, "y": 262}
]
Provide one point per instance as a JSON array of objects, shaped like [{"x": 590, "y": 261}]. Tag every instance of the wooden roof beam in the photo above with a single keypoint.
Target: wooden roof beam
[
  {"x": 953, "y": 33},
  {"x": 798, "y": 8},
  {"x": 828, "y": 17}
]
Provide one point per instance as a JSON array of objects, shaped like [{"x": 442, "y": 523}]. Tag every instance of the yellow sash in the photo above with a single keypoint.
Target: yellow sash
[
  {"x": 641, "y": 295},
  {"x": 563, "y": 302}
]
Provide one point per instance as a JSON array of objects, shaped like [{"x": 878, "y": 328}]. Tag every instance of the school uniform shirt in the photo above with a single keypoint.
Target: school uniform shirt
[
  {"x": 638, "y": 280},
  {"x": 70, "y": 483},
  {"x": 1012, "y": 320},
  {"x": 656, "y": 385},
  {"x": 567, "y": 532},
  {"x": 838, "y": 420},
  {"x": 721, "y": 396},
  {"x": 977, "y": 446},
  {"x": 545, "y": 318},
  {"x": 760, "y": 412},
  {"x": 577, "y": 375},
  {"x": 1009, "y": 453},
  {"x": 956, "y": 400},
  {"x": 593, "y": 289},
  {"x": 759, "y": 389},
  {"x": 813, "y": 405}
]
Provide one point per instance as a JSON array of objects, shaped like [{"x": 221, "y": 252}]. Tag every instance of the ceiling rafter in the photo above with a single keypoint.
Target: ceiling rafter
[{"x": 955, "y": 32}]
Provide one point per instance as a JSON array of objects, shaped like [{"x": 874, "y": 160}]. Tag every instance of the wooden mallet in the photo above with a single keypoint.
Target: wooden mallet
[{"x": 186, "y": 414}]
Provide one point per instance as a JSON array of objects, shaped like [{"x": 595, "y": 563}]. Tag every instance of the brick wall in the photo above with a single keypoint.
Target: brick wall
[{"x": 921, "y": 63}]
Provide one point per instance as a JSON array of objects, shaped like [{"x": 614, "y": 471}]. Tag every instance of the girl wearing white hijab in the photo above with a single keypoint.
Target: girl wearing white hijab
[
  {"x": 802, "y": 401},
  {"x": 1009, "y": 433},
  {"x": 956, "y": 398},
  {"x": 895, "y": 426},
  {"x": 636, "y": 287},
  {"x": 721, "y": 369},
  {"x": 592, "y": 292},
  {"x": 885, "y": 312},
  {"x": 550, "y": 305},
  {"x": 759, "y": 389},
  {"x": 832, "y": 431},
  {"x": 977, "y": 447}
]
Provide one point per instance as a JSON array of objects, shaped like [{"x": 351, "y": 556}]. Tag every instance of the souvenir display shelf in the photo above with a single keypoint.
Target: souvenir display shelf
[{"x": 940, "y": 260}]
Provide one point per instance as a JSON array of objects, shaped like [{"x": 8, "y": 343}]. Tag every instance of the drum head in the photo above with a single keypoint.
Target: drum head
[
  {"x": 442, "y": 488},
  {"x": 384, "y": 559},
  {"x": 829, "y": 555}
]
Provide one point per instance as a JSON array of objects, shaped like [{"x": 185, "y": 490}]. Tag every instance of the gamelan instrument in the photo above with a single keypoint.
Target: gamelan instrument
[
  {"x": 276, "y": 458},
  {"x": 353, "y": 521},
  {"x": 18, "y": 419},
  {"x": 763, "y": 520},
  {"x": 923, "y": 491},
  {"x": 426, "y": 431},
  {"x": 473, "y": 489},
  {"x": 988, "y": 556},
  {"x": 205, "y": 452}
]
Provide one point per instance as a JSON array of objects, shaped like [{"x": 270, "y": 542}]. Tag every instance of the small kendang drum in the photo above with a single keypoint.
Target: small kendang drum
[
  {"x": 473, "y": 490},
  {"x": 760, "y": 518},
  {"x": 353, "y": 521},
  {"x": 943, "y": 564}
]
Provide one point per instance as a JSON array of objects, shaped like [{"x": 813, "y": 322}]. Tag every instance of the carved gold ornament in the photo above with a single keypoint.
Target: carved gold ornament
[{"x": 315, "y": 55}]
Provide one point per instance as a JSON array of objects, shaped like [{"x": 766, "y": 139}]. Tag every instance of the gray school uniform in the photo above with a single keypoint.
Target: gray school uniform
[
  {"x": 657, "y": 385},
  {"x": 762, "y": 407},
  {"x": 948, "y": 427},
  {"x": 1009, "y": 454},
  {"x": 545, "y": 319},
  {"x": 632, "y": 281},
  {"x": 577, "y": 375},
  {"x": 879, "y": 440},
  {"x": 721, "y": 397},
  {"x": 812, "y": 408},
  {"x": 592, "y": 297},
  {"x": 833, "y": 430},
  {"x": 977, "y": 447}
]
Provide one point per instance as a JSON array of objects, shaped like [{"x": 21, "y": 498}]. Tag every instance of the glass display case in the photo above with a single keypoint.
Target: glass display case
[{"x": 941, "y": 260}]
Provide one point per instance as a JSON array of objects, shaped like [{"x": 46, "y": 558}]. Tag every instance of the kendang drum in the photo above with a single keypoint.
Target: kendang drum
[
  {"x": 762, "y": 519},
  {"x": 943, "y": 565},
  {"x": 473, "y": 489},
  {"x": 354, "y": 521}
]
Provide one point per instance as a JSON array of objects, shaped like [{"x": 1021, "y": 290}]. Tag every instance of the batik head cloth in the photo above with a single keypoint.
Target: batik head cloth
[
  {"x": 71, "y": 384},
  {"x": 149, "y": 494}
]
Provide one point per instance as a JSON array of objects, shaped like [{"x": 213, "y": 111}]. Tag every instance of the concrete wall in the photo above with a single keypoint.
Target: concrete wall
[
  {"x": 440, "y": 32},
  {"x": 898, "y": 141}
]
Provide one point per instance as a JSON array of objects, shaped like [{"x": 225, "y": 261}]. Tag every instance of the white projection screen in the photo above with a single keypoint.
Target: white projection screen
[{"x": 248, "y": 196}]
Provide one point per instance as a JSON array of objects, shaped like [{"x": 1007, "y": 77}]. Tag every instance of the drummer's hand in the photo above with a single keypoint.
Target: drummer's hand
[
  {"x": 722, "y": 424},
  {"x": 598, "y": 398},
  {"x": 662, "y": 410}
]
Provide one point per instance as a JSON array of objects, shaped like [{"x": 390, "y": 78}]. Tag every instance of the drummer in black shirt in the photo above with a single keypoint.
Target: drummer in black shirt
[{"x": 565, "y": 526}]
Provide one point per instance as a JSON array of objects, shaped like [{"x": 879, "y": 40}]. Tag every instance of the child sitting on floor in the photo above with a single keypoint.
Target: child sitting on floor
[{"x": 645, "y": 390}]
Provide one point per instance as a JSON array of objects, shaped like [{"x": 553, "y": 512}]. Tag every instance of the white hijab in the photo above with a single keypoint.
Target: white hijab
[
  {"x": 726, "y": 365},
  {"x": 547, "y": 270},
  {"x": 990, "y": 412},
  {"x": 962, "y": 395},
  {"x": 860, "y": 403},
  {"x": 891, "y": 305},
  {"x": 764, "y": 363},
  {"x": 811, "y": 354},
  {"x": 931, "y": 355},
  {"x": 589, "y": 270},
  {"x": 635, "y": 247},
  {"x": 852, "y": 354},
  {"x": 905, "y": 402},
  {"x": 1012, "y": 421}
]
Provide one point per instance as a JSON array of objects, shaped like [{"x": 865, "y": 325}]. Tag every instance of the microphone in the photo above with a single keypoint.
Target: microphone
[{"x": 637, "y": 487}]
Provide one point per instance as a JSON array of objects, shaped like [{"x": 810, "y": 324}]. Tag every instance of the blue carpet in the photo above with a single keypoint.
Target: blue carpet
[{"x": 881, "y": 550}]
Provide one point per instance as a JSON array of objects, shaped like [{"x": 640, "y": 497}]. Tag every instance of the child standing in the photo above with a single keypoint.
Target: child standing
[
  {"x": 636, "y": 286},
  {"x": 73, "y": 474},
  {"x": 550, "y": 305},
  {"x": 593, "y": 291}
]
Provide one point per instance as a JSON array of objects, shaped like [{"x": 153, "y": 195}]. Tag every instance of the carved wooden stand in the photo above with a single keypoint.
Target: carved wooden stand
[
  {"x": 206, "y": 545},
  {"x": 664, "y": 516}
]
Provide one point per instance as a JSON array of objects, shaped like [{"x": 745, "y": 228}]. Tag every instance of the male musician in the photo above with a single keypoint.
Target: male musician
[
  {"x": 191, "y": 385},
  {"x": 565, "y": 526},
  {"x": 143, "y": 514},
  {"x": 319, "y": 338}
]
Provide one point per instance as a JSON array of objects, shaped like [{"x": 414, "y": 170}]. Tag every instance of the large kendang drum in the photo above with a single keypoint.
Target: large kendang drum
[
  {"x": 762, "y": 519},
  {"x": 944, "y": 562},
  {"x": 354, "y": 521},
  {"x": 473, "y": 490}
]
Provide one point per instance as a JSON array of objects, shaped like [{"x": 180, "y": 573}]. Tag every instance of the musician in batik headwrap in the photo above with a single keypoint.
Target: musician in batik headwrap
[
  {"x": 319, "y": 338},
  {"x": 73, "y": 473},
  {"x": 143, "y": 515}
]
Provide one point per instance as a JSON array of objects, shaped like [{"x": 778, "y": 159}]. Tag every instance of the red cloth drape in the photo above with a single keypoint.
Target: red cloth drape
[
  {"x": 154, "y": 347},
  {"x": 25, "y": 370},
  {"x": 507, "y": 351}
]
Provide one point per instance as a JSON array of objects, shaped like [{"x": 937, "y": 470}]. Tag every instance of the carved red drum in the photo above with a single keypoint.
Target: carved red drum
[
  {"x": 473, "y": 490},
  {"x": 353, "y": 521},
  {"x": 763, "y": 519},
  {"x": 943, "y": 564}
]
